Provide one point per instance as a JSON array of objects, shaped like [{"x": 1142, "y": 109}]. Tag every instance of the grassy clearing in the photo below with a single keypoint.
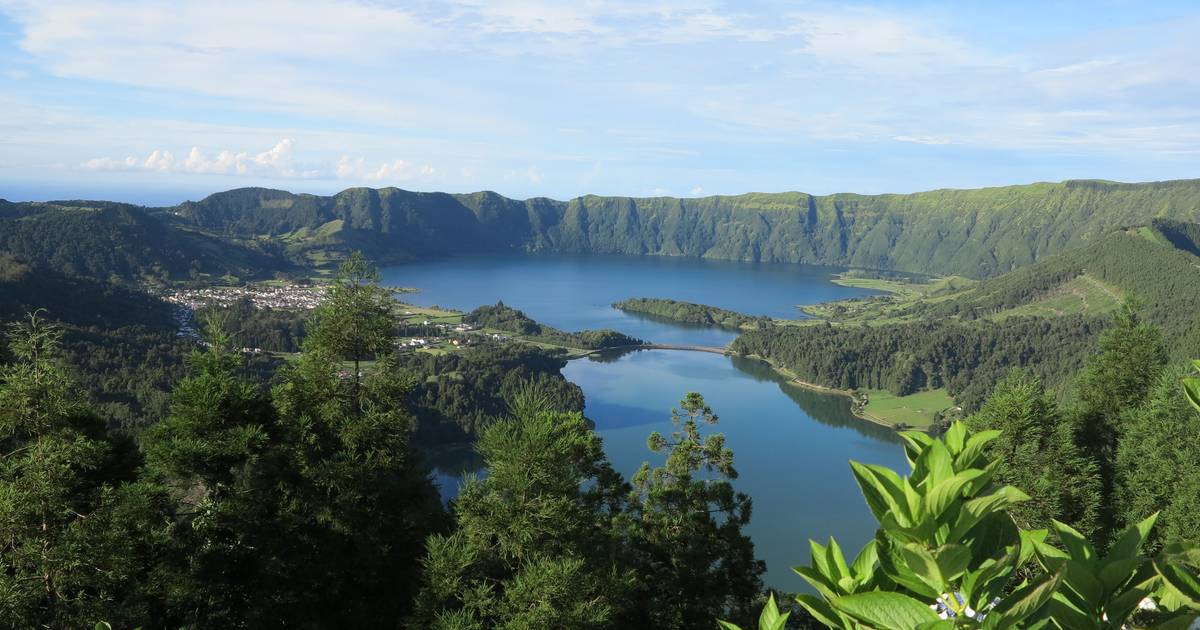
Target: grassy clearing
[
  {"x": 905, "y": 288},
  {"x": 915, "y": 410},
  {"x": 1084, "y": 295}
]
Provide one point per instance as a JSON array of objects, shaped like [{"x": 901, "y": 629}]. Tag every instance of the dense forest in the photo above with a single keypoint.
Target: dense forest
[
  {"x": 689, "y": 313},
  {"x": 506, "y": 318},
  {"x": 151, "y": 480},
  {"x": 300, "y": 499},
  {"x": 968, "y": 340},
  {"x": 111, "y": 241}
]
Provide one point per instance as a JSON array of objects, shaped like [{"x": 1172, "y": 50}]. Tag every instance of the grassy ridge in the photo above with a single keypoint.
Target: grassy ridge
[{"x": 974, "y": 233}]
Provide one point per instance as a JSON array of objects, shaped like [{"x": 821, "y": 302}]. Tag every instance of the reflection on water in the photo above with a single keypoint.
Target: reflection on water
[
  {"x": 791, "y": 444},
  {"x": 827, "y": 408}
]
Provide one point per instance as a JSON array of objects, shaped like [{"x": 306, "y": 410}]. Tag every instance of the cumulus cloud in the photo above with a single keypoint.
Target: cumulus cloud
[
  {"x": 276, "y": 162},
  {"x": 394, "y": 171}
]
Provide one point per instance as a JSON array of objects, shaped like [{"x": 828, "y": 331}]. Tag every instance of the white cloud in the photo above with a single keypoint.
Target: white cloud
[
  {"x": 931, "y": 140},
  {"x": 394, "y": 171},
  {"x": 276, "y": 162},
  {"x": 697, "y": 190},
  {"x": 534, "y": 175}
]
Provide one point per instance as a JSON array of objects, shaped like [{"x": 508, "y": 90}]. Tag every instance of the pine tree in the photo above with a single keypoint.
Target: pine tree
[
  {"x": 1158, "y": 464},
  {"x": 1036, "y": 452},
  {"x": 534, "y": 544},
  {"x": 352, "y": 492},
  {"x": 1114, "y": 382},
  {"x": 685, "y": 525},
  {"x": 355, "y": 319},
  {"x": 55, "y": 460}
]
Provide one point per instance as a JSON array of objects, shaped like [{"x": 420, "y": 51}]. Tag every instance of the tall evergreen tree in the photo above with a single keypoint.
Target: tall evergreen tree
[
  {"x": 213, "y": 454},
  {"x": 1036, "y": 452},
  {"x": 55, "y": 464},
  {"x": 1114, "y": 382},
  {"x": 534, "y": 545},
  {"x": 685, "y": 525},
  {"x": 355, "y": 320},
  {"x": 353, "y": 496},
  {"x": 1158, "y": 464}
]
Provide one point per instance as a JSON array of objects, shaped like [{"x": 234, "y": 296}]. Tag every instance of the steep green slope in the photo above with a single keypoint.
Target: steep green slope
[
  {"x": 978, "y": 233},
  {"x": 967, "y": 340},
  {"x": 109, "y": 240}
]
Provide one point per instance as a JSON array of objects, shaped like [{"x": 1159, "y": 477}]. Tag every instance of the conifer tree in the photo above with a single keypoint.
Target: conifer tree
[
  {"x": 1037, "y": 453},
  {"x": 685, "y": 525},
  {"x": 1158, "y": 464},
  {"x": 55, "y": 459},
  {"x": 1113, "y": 383},
  {"x": 534, "y": 542}
]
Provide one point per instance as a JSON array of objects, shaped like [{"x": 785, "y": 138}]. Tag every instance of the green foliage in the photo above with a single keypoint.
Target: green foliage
[
  {"x": 356, "y": 318},
  {"x": 534, "y": 538},
  {"x": 947, "y": 555},
  {"x": 977, "y": 233},
  {"x": 689, "y": 313},
  {"x": 769, "y": 619},
  {"x": 1036, "y": 452},
  {"x": 269, "y": 329},
  {"x": 966, "y": 359},
  {"x": 456, "y": 395},
  {"x": 502, "y": 317},
  {"x": 55, "y": 464},
  {"x": 1158, "y": 464},
  {"x": 686, "y": 523},
  {"x": 104, "y": 240}
]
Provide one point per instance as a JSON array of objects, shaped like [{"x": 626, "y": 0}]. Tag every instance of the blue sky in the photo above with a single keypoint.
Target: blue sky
[{"x": 156, "y": 102}]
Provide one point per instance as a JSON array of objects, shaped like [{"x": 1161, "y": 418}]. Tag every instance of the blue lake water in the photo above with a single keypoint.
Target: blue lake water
[{"x": 791, "y": 445}]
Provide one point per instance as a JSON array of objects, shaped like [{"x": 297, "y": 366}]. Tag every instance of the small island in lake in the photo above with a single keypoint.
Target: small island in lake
[{"x": 690, "y": 313}]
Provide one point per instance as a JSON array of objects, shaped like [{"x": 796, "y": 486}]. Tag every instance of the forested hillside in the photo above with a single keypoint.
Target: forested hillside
[
  {"x": 1044, "y": 317},
  {"x": 118, "y": 241},
  {"x": 977, "y": 233}
]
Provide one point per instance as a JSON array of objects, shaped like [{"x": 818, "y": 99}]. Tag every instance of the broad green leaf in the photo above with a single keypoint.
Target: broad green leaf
[
  {"x": 975, "y": 510},
  {"x": 820, "y": 609},
  {"x": 952, "y": 560},
  {"x": 934, "y": 464},
  {"x": 1079, "y": 579},
  {"x": 1145, "y": 582},
  {"x": 1115, "y": 573},
  {"x": 1191, "y": 389},
  {"x": 944, "y": 493},
  {"x": 1077, "y": 546},
  {"x": 956, "y": 437},
  {"x": 1184, "y": 582},
  {"x": 818, "y": 581},
  {"x": 882, "y": 488},
  {"x": 770, "y": 619},
  {"x": 1178, "y": 622},
  {"x": 1068, "y": 616},
  {"x": 820, "y": 561},
  {"x": 893, "y": 565},
  {"x": 1026, "y": 601},
  {"x": 973, "y": 449},
  {"x": 924, "y": 566},
  {"x": 885, "y": 610},
  {"x": 1131, "y": 539},
  {"x": 836, "y": 558},
  {"x": 864, "y": 563}
]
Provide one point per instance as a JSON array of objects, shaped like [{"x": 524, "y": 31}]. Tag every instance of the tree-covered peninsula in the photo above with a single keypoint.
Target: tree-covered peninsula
[{"x": 690, "y": 313}]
